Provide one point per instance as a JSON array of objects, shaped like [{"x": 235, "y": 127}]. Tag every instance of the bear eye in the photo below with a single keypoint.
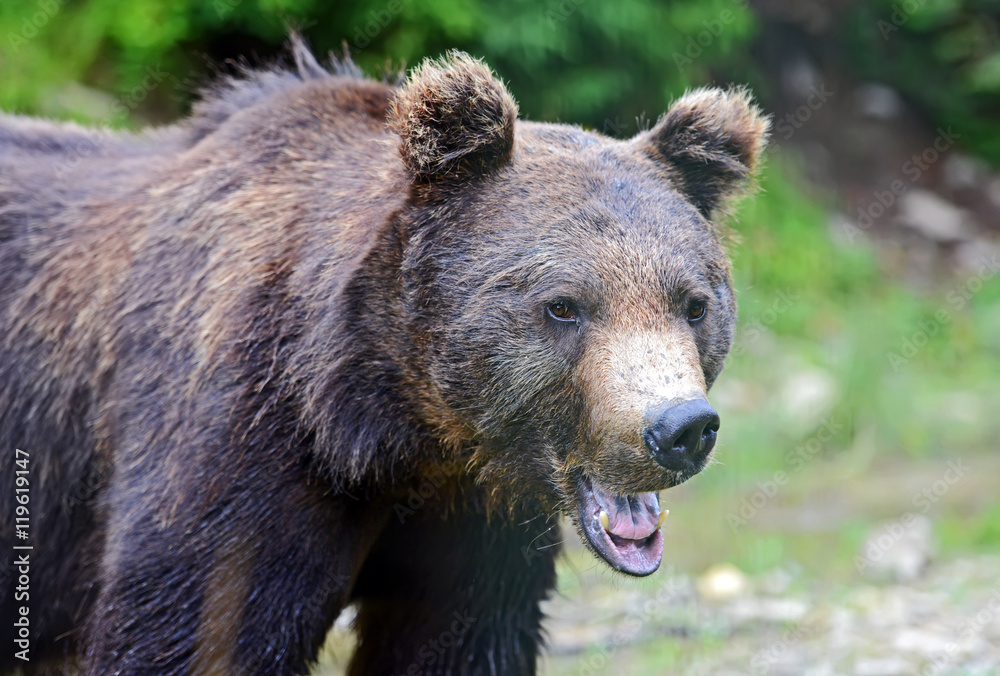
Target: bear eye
[
  {"x": 561, "y": 311},
  {"x": 696, "y": 311}
]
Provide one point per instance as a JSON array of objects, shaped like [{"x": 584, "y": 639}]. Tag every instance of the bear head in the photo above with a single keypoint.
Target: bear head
[{"x": 569, "y": 295}]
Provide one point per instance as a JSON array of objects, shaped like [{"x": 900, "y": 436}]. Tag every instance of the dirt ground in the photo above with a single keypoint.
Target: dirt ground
[{"x": 946, "y": 622}]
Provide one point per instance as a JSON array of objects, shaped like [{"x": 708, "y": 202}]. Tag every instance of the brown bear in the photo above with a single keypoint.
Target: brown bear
[{"x": 336, "y": 341}]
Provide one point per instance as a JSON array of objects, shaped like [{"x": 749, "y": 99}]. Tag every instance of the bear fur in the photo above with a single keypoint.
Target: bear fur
[{"x": 335, "y": 341}]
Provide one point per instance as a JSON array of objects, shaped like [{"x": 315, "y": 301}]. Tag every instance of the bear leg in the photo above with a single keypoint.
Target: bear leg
[
  {"x": 249, "y": 585},
  {"x": 458, "y": 596}
]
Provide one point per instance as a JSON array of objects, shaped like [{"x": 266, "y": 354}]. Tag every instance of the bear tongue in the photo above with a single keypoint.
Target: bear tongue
[
  {"x": 631, "y": 517},
  {"x": 621, "y": 529}
]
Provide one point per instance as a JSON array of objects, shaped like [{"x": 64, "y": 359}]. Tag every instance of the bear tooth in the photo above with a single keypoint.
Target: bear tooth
[
  {"x": 605, "y": 521},
  {"x": 662, "y": 518}
]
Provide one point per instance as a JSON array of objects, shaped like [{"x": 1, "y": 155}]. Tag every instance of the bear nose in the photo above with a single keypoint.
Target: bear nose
[{"x": 683, "y": 435}]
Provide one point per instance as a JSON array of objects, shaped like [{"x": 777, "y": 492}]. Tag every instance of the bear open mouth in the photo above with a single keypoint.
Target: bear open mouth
[{"x": 623, "y": 529}]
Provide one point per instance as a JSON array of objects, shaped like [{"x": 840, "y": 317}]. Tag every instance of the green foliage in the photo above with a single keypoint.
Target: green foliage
[
  {"x": 595, "y": 63},
  {"x": 590, "y": 62}
]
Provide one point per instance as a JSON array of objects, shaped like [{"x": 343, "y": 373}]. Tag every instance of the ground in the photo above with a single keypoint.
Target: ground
[
  {"x": 784, "y": 623},
  {"x": 802, "y": 607}
]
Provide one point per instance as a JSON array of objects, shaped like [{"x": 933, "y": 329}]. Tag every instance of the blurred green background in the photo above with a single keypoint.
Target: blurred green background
[{"x": 868, "y": 352}]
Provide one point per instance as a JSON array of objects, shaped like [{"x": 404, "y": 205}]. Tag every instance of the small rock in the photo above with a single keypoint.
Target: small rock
[
  {"x": 961, "y": 172},
  {"x": 993, "y": 190},
  {"x": 721, "y": 582},
  {"x": 933, "y": 217},
  {"x": 898, "y": 549},
  {"x": 885, "y": 666},
  {"x": 776, "y": 581},
  {"x": 978, "y": 258},
  {"x": 808, "y": 395},
  {"x": 768, "y": 610},
  {"x": 800, "y": 76},
  {"x": 817, "y": 668},
  {"x": 878, "y": 101},
  {"x": 923, "y": 643}
]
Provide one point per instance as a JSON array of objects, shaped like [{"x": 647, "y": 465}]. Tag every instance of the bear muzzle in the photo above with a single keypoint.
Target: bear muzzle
[
  {"x": 621, "y": 522},
  {"x": 624, "y": 530}
]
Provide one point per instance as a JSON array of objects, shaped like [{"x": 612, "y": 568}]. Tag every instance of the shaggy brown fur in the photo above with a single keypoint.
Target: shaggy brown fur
[
  {"x": 454, "y": 117},
  {"x": 299, "y": 351}
]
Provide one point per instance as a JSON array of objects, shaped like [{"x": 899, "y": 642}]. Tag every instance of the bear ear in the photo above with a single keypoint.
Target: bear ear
[
  {"x": 454, "y": 119},
  {"x": 711, "y": 141}
]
